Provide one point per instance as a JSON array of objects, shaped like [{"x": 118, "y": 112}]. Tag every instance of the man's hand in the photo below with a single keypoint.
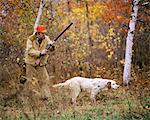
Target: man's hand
[
  {"x": 52, "y": 48},
  {"x": 43, "y": 52},
  {"x": 37, "y": 62}
]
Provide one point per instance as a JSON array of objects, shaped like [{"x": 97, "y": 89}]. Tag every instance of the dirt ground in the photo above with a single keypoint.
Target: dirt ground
[{"x": 128, "y": 102}]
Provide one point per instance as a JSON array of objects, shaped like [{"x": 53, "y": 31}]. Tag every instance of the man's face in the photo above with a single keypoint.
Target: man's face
[{"x": 40, "y": 35}]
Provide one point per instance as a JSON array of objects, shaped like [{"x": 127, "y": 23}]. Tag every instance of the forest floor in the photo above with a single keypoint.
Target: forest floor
[{"x": 127, "y": 103}]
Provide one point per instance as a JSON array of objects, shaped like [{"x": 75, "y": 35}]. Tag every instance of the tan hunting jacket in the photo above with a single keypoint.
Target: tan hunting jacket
[{"x": 33, "y": 50}]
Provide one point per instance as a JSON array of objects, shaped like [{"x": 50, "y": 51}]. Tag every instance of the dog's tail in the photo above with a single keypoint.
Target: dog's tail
[{"x": 61, "y": 85}]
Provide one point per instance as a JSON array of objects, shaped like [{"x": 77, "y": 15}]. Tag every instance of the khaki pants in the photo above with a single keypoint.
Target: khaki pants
[
  {"x": 35, "y": 89},
  {"x": 38, "y": 81}
]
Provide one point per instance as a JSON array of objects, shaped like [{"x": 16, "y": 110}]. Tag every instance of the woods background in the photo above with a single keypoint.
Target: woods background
[{"x": 93, "y": 47}]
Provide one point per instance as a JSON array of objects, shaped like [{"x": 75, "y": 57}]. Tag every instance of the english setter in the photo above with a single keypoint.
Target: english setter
[{"x": 91, "y": 85}]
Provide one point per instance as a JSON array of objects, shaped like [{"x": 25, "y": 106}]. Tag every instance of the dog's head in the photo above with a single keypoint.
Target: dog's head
[{"x": 112, "y": 84}]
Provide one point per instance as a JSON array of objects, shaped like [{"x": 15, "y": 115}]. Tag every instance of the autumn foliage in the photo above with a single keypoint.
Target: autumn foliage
[{"x": 93, "y": 47}]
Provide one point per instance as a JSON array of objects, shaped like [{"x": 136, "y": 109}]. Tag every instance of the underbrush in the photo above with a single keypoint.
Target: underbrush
[{"x": 122, "y": 104}]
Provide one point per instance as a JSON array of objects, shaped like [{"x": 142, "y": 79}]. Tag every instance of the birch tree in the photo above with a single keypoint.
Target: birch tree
[
  {"x": 42, "y": 3},
  {"x": 129, "y": 42}
]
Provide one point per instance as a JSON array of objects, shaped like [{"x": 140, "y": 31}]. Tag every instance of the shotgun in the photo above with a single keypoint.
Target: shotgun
[{"x": 50, "y": 46}]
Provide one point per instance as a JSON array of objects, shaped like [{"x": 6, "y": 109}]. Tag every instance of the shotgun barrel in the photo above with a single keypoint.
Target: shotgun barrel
[
  {"x": 63, "y": 31},
  {"x": 49, "y": 45}
]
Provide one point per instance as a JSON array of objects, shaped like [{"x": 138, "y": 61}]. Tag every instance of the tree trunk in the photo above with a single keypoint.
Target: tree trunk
[
  {"x": 89, "y": 39},
  {"x": 39, "y": 14},
  {"x": 51, "y": 10},
  {"x": 68, "y": 5},
  {"x": 129, "y": 42},
  {"x": 88, "y": 24}
]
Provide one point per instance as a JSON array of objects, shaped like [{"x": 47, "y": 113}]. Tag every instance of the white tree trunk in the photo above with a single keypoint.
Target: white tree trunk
[
  {"x": 39, "y": 14},
  {"x": 129, "y": 42}
]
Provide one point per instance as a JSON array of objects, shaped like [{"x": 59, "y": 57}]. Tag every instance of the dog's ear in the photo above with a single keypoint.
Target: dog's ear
[{"x": 109, "y": 85}]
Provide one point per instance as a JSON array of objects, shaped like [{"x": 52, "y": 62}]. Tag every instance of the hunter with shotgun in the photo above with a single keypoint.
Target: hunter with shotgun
[{"x": 36, "y": 57}]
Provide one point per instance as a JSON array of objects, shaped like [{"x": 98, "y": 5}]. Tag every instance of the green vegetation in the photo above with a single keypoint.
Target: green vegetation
[{"x": 112, "y": 105}]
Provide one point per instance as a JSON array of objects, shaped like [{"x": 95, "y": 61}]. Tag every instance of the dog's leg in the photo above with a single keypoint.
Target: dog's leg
[
  {"x": 93, "y": 98},
  {"x": 93, "y": 95},
  {"x": 74, "y": 94}
]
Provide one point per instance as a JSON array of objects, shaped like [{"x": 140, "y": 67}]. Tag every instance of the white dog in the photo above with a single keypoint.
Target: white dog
[{"x": 93, "y": 86}]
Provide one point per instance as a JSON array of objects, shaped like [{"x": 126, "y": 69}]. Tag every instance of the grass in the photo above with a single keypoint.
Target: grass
[
  {"x": 91, "y": 114},
  {"x": 114, "y": 105}
]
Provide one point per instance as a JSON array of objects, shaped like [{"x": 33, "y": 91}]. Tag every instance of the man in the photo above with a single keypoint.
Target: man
[{"x": 36, "y": 59}]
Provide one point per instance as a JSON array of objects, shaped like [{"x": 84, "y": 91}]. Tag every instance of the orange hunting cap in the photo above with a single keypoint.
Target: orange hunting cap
[{"x": 41, "y": 28}]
